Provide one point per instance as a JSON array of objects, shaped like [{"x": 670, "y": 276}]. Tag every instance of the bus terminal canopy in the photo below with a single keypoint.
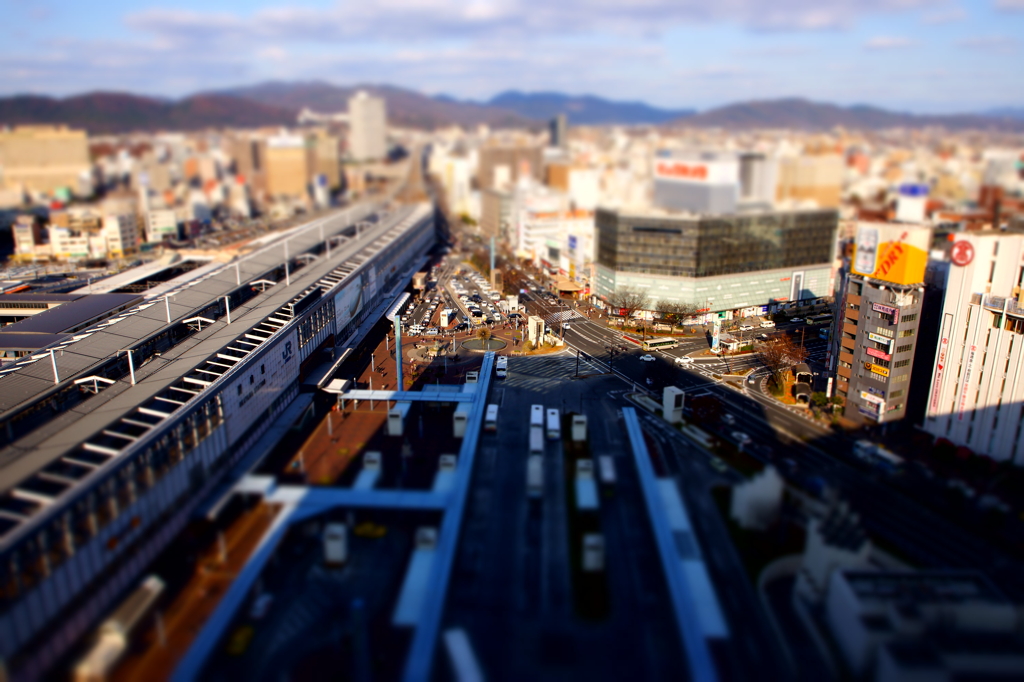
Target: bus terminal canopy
[{"x": 566, "y": 284}]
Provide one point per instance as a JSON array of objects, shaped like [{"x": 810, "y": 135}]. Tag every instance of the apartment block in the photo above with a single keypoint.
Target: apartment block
[
  {"x": 289, "y": 165},
  {"x": 45, "y": 159}
]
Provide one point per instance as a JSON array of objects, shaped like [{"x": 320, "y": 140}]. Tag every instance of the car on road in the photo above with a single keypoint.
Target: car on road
[
  {"x": 565, "y": 325},
  {"x": 433, "y": 331},
  {"x": 728, "y": 419},
  {"x": 684, "y": 360},
  {"x": 797, "y": 320},
  {"x": 767, "y": 324},
  {"x": 741, "y": 438},
  {"x": 763, "y": 337},
  {"x": 647, "y": 358},
  {"x": 261, "y": 605},
  {"x": 719, "y": 464},
  {"x": 746, "y": 327}
]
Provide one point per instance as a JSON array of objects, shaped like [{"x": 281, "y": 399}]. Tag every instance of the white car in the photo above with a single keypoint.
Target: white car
[
  {"x": 432, "y": 331},
  {"x": 767, "y": 324},
  {"x": 797, "y": 319},
  {"x": 647, "y": 358},
  {"x": 728, "y": 419},
  {"x": 684, "y": 360},
  {"x": 741, "y": 438},
  {"x": 746, "y": 327}
]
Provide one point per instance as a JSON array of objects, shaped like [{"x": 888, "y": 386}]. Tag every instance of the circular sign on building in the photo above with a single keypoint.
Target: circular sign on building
[{"x": 962, "y": 253}]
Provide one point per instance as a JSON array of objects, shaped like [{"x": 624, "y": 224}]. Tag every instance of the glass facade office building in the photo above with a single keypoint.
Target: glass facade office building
[{"x": 732, "y": 261}]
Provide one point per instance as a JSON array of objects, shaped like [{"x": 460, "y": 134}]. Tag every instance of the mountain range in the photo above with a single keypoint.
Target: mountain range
[
  {"x": 584, "y": 109},
  {"x": 118, "y": 112},
  {"x": 276, "y": 103},
  {"x": 802, "y": 114}
]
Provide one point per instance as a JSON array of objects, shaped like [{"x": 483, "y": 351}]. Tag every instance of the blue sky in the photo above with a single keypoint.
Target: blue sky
[{"x": 916, "y": 55}]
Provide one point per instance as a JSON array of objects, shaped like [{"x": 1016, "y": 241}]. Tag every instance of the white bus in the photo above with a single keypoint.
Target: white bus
[
  {"x": 491, "y": 418},
  {"x": 659, "y": 344},
  {"x": 502, "y": 367},
  {"x": 536, "y": 441},
  {"x": 537, "y": 415},
  {"x": 554, "y": 424},
  {"x": 535, "y": 476}
]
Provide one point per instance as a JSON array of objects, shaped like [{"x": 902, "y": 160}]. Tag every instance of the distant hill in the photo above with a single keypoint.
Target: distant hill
[
  {"x": 802, "y": 114},
  {"x": 405, "y": 107},
  {"x": 1016, "y": 113},
  {"x": 277, "y": 103},
  {"x": 115, "y": 112},
  {"x": 585, "y": 109}
]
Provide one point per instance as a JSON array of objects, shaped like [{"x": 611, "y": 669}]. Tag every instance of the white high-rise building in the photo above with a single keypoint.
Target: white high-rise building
[
  {"x": 367, "y": 137},
  {"x": 976, "y": 396}
]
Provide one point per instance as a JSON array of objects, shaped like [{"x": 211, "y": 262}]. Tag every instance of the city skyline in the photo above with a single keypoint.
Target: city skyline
[{"x": 903, "y": 54}]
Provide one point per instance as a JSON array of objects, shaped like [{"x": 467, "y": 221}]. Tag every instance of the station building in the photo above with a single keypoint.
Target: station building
[{"x": 110, "y": 443}]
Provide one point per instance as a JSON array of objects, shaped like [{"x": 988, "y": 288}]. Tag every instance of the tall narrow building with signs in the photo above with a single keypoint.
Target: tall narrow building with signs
[{"x": 877, "y": 322}]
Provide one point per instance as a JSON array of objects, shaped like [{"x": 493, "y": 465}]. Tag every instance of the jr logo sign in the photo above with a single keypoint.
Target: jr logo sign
[{"x": 286, "y": 354}]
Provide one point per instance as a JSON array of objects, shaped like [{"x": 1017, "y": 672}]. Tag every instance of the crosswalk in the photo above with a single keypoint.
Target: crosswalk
[
  {"x": 541, "y": 373},
  {"x": 567, "y": 315}
]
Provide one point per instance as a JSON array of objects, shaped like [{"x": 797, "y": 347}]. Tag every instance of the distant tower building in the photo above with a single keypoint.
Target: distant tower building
[
  {"x": 367, "y": 127},
  {"x": 559, "y": 129}
]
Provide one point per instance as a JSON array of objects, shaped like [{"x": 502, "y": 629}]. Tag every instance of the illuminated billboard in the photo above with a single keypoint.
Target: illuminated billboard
[{"x": 891, "y": 253}]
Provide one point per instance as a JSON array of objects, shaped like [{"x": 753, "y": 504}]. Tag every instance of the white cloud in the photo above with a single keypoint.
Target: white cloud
[
  {"x": 1010, "y": 5},
  {"x": 989, "y": 43},
  {"x": 777, "y": 51},
  {"x": 889, "y": 43},
  {"x": 388, "y": 20},
  {"x": 950, "y": 16}
]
